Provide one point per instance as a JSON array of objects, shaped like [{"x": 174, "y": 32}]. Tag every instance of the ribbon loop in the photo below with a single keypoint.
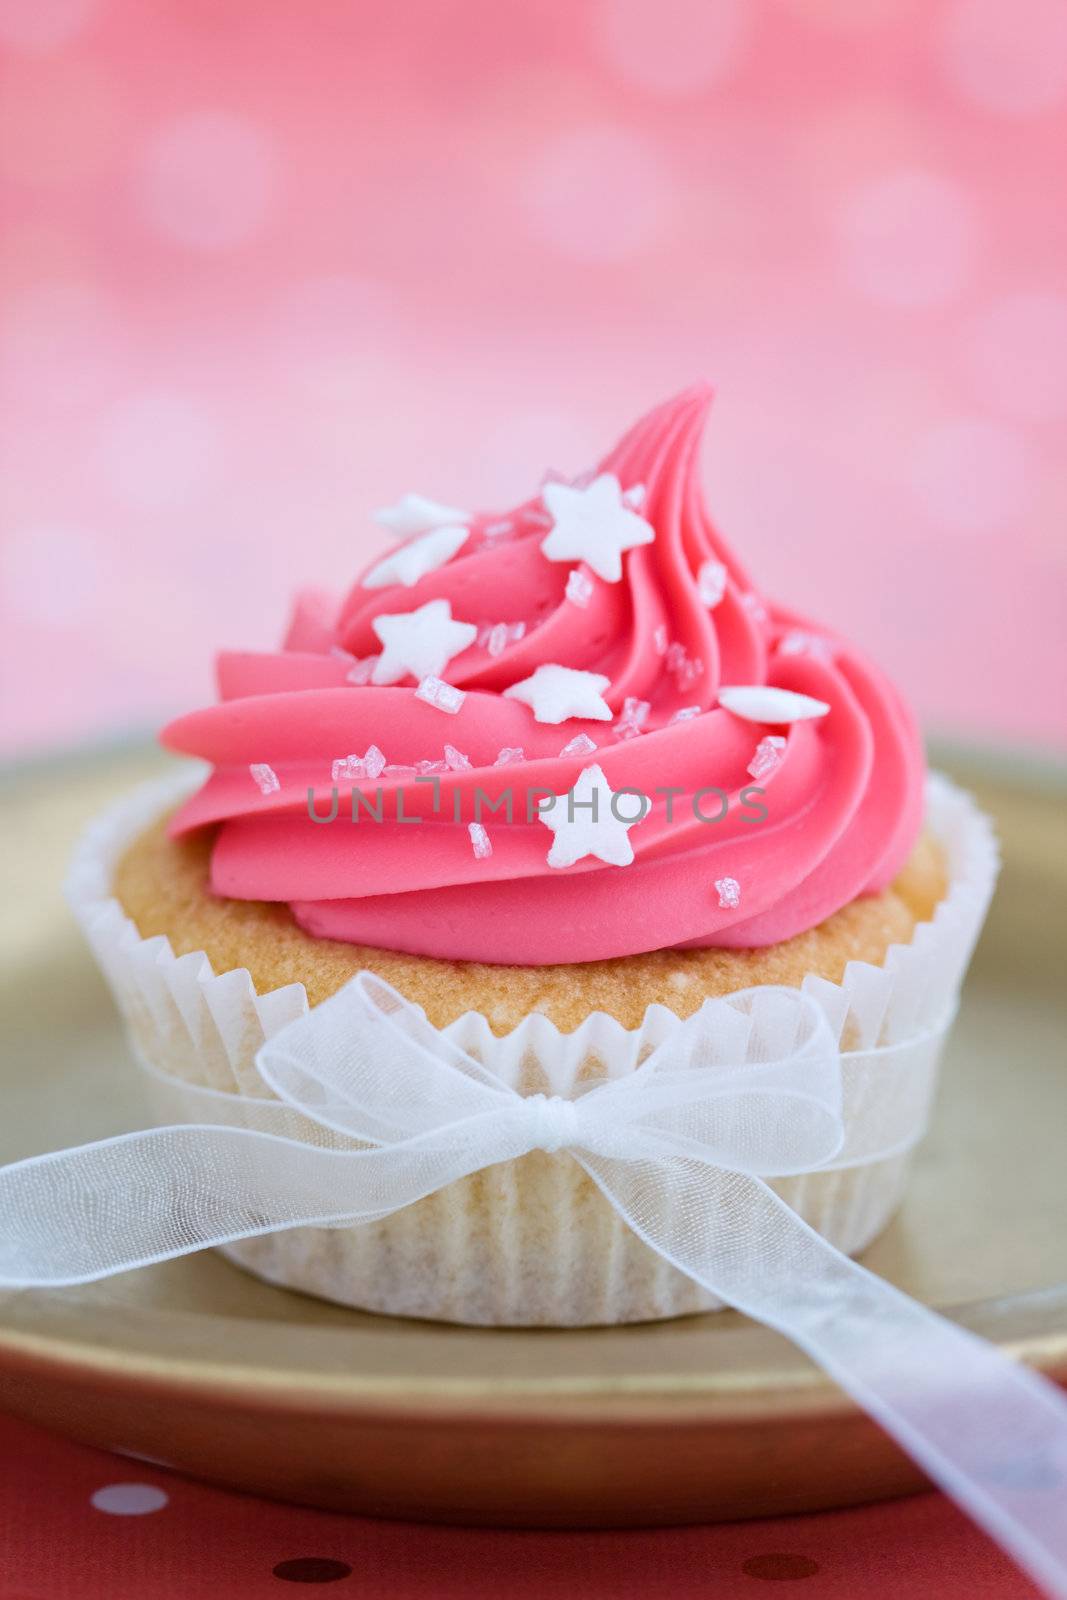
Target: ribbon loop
[
  {"x": 366, "y": 1063},
  {"x": 750, "y": 1082}
]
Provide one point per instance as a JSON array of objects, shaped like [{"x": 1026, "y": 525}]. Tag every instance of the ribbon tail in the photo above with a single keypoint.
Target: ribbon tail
[
  {"x": 988, "y": 1431},
  {"x": 78, "y": 1215}
]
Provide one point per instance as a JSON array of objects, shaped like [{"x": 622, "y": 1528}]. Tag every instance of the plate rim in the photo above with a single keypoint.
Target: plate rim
[{"x": 1041, "y": 1343}]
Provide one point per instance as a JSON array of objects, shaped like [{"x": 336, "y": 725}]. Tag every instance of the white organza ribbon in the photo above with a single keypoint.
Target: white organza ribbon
[{"x": 378, "y": 1109}]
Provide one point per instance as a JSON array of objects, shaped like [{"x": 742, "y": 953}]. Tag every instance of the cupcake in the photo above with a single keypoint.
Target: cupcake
[{"x": 558, "y": 775}]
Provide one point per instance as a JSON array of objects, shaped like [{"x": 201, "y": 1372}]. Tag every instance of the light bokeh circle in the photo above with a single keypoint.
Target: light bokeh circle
[
  {"x": 158, "y": 447},
  {"x": 674, "y": 47},
  {"x": 52, "y": 575},
  {"x": 207, "y": 180},
  {"x": 908, "y": 238},
  {"x": 1017, "y": 355},
  {"x": 596, "y": 193},
  {"x": 973, "y": 475},
  {"x": 1008, "y": 58},
  {"x": 38, "y": 26}
]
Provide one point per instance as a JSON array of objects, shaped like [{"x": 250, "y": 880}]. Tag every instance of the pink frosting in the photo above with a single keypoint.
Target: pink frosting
[{"x": 843, "y": 800}]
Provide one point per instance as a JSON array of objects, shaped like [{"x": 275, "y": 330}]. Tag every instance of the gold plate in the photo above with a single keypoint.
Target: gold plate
[{"x": 196, "y": 1366}]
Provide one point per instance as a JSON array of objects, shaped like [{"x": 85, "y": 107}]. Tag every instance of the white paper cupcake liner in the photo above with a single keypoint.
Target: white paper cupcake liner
[{"x": 533, "y": 1241}]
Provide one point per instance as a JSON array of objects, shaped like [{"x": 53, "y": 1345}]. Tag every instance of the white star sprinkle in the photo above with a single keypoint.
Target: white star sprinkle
[
  {"x": 583, "y": 831},
  {"x": 413, "y": 561},
  {"x": 557, "y": 693},
  {"x": 758, "y": 702},
  {"x": 420, "y": 643},
  {"x": 413, "y": 513},
  {"x": 593, "y": 525}
]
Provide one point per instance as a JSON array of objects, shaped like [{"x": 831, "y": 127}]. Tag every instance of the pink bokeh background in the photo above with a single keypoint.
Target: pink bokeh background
[{"x": 268, "y": 265}]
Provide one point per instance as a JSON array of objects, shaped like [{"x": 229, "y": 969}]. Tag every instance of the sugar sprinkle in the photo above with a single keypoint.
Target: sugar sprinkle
[
  {"x": 264, "y": 777},
  {"x": 729, "y": 892},
  {"x": 798, "y": 643},
  {"x": 350, "y": 769},
  {"x": 442, "y": 696},
  {"x": 686, "y": 668},
  {"x": 497, "y": 641},
  {"x": 361, "y": 670},
  {"x": 579, "y": 590},
  {"x": 711, "y": 583},
  {"x": 347, "y": 769},
  {"x": 481, "y": 844},
  {"x": 768, "y": 756},
  {"x": 631, "y": 718}
]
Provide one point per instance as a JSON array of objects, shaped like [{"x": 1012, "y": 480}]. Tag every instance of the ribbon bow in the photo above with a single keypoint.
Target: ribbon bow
[{"x": 376, "y": 1109}]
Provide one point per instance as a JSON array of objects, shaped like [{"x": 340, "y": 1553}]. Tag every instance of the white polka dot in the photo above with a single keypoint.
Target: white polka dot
[
  {"x": 909, "y": 238},
  {"x": 129, "y": 1499},
  {"x": 51, "y": 575},
  {"x": 596, "y": 194},
  {"x": 972, "y": 475},
  {"x": 1007, "y": 57},
  {"x": 157, "y": 448},
  {"x": 673, "y": 47},
  {"x": 206, "y": 180},
  {"x": 40, "y": 25},
  {"x": 1017, "y": 353}
]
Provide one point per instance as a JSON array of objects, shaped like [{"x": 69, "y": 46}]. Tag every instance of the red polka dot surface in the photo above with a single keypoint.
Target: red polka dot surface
[{"x": 81, "y": 1524}]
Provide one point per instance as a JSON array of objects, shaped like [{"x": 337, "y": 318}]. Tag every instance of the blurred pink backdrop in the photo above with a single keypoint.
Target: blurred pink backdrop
[{"x": 268, "y": 265}]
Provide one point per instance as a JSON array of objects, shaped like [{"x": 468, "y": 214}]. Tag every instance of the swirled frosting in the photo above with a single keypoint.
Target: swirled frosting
[{"x": 840, "y": 792}]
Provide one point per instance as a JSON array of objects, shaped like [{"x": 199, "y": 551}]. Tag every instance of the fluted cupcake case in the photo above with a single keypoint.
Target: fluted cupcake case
[{"x": 532, "y": 1241}]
